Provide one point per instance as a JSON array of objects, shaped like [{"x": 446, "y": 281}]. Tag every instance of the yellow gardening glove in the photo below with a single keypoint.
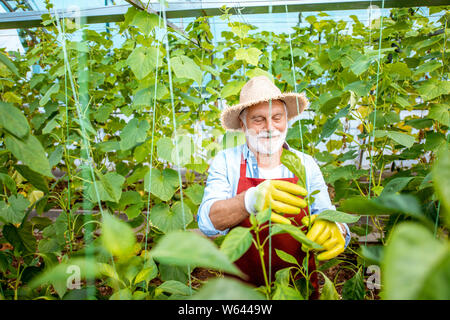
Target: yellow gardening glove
[
  {"x": 325, "y": 233},
  {"x": 280, "y": 196}
]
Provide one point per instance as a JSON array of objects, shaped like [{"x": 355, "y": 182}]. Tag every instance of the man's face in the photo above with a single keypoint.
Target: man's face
[{"x": 266, "y": 127}]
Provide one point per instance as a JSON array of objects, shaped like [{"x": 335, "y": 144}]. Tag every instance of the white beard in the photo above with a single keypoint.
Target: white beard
[{"x": 262, "y": 145}]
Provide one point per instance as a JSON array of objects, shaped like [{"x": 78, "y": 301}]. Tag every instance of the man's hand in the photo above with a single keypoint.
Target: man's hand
[
  {"x": 325, "y": 233},
  {"x": 280, "y": 196}
]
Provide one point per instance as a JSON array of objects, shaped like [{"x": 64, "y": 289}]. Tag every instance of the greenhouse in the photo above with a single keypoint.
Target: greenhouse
[{"x": 238, "y": 150}]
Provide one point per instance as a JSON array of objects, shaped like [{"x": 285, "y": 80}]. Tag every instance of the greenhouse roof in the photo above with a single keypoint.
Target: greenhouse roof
[{"x": 101, "y": 11}]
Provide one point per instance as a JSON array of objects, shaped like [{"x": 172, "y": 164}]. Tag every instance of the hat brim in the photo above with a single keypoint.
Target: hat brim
[{"x": 295, "y": 104}]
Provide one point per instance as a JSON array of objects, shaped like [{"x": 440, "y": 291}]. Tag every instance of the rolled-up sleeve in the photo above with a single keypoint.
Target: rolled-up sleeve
[{"x": 217, "y": 188}]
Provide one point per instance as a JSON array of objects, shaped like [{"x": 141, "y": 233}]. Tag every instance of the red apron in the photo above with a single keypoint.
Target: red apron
[{"x": 250, "y": 262}]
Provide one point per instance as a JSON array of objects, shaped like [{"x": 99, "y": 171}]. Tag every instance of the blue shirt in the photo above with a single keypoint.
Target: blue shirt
[{"x": 223, "y": 179}]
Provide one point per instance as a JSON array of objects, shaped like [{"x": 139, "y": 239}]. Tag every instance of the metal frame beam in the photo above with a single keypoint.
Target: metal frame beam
[{"x": 32, "y": 19}]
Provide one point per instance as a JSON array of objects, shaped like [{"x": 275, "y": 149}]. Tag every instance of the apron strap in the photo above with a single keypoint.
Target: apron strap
[{"x": 243, "y": 168}]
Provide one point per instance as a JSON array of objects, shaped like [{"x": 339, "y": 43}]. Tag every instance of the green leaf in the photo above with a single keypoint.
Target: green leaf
[
  {"x": 361, "y": 88},
  {"x": 236, "y": 243},
  {"x": 142, "y": 61},
  {"x": 21, "y": 238},
  {"x": 175, "y": 287},
  {"x": 231, "y": 88},
  {"x": 34, "y": 178},
  {"x": 133, "y": 133},
  {"x": 345, "y": 172},
  {"x": 396, "y": 185},
  {"x": 146, "y": 96},
  {"x": 15, "y": 210},
  {"x": 8, "y": 182},
  {"x": 337, "y": 216},
  {"x": 46, "y": 98},
  {"x": 30, "y": 152},
  {"x": 13, "y": 121},
  {"x": 354, "y": 288},
  {"x": 250, "y": 55},
  {"x": 117, "y": 236},
  {"x": 328, "y": 290},
  {"x": 9, "y": 64},
  {"x": 145, "y": 22},
  {"x": 385, "y": 205},
  {"x": 360, "y": 65},
  {"x": 414, "y": 253},
  {"x": 109, "y": 187},
  {"x": 294, "y": 164},
  {"x": 164, "y": 148},
  {"x": 263, "y": 216},
  {"x": 399, "y": 137},
  {"x": 441, "y": 178},
  {"x": 433, "y": 88},
  {"x": 186, "y": 248},
  {"x": 440, "y": 113},
  {"x": 185, "y": 67},
  {"x": 195, "y": 193},
  {"x": 372, "y": 254},
  {"x": 296, "y": 233},
  {"x": 169, "y": 219},
  {"x": 286, "y": 257},
  {"x": 284, "y": 292},
  {"x": 163, "y": 184},
  {"x": 256, "y": 72},
  {"x": 429, "y": 66}
]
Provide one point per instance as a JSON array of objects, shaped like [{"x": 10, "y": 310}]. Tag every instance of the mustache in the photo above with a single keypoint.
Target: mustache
[{"x": 267, "y": 134}]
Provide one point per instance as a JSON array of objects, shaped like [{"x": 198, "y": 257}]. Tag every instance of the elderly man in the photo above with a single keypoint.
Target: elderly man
[{"x": 245, "y": 179}]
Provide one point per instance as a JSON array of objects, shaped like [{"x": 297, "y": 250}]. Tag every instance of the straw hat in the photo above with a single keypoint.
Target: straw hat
[{"x": 261, "y": 89}]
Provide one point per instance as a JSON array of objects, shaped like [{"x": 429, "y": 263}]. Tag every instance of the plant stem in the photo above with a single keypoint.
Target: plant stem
[{"x": 261, "y": 256}]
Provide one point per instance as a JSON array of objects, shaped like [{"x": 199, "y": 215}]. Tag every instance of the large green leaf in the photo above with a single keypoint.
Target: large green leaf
[
  {"x": 169, "y": 219},
  {"x": 385, "y": 205},
  {"x": 328, "y": 290},
  {"x": 399, "y": 137},
  {"x": 354, "y": 288},
  {"x": 236, "y": 243},
  {"x": 34, "y": 178},
  {"x": 142, "y": 61},
  {"x": 133, "y": 133},
  {"x": 117, "y": 236},
  {"x": 15, "y": 210},
  {"x": 294, "y": 164},
  {"x": 396, "y": 185},
  {"x": 163, "y": 184},
  {"x": 250, "y": 55},
  {"x": 13, "y": 121},
  {"x": 146, "y": 96},
  {"x": 337, "y": 216},
  {"x": 441, "y": 178},
  {"x": 30, "y": 152},
  {"x": 22, "y": 237},
  {"x": 185, "y": 67},
  {"x": 109, "y": 187},
  {"x": 164, "y": 148},
  {"x": 186, "y": 248},
  {"x": 440, "y": 113},
  {"x": 145, "y": 21},
  {"x": 231, "y": 88},
  {"x": 412, "y": 258},
  {"x": 195, "y": 193},
  {"x": 433, "y": 88}
]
